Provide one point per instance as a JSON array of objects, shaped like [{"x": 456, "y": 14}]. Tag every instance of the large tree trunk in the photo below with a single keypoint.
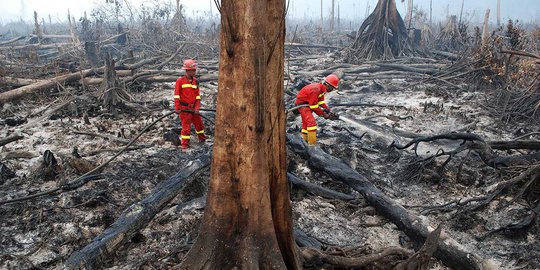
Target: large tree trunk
[
  {"x": 247, "y": 222},
  {"x": 382, "y": 35}
]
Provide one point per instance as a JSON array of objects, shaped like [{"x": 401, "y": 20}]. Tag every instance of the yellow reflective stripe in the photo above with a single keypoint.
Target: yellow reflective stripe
[
  {"x": 321, "y": 102},
  {"x": 320, "y": 95},
  {"x": 304, "y": 130},
  {"x": 185, "y": 137},
  {"x": 176, "y": 96},
  {"x": 314, "y": 106},
  {"x": 312, "y": 128},
  {"x": 200, "y": 132},
  {"x": 198, "y": 97},
  {"x": 189, "y": 85}
]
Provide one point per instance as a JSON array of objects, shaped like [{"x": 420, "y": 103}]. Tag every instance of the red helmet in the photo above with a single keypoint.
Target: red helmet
[
  {"x": 332, "y": 80},
  {"x": 189, "y": 64}
]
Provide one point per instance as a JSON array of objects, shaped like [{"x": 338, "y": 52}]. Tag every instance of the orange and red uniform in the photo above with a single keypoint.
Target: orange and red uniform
[
  {"x": 187, "y": 97},
  {"x": 312, "y": 94}
]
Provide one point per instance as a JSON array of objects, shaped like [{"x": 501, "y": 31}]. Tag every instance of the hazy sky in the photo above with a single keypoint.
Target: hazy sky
[{"x": 524, "y": 10}]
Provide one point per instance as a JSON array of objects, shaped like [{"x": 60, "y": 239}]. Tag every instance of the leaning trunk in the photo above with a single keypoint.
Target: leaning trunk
[{"x": 247, "y": 221}]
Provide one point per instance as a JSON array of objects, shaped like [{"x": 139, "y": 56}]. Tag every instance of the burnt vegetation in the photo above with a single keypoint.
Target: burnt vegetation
[{"x": 434, "y": 163}]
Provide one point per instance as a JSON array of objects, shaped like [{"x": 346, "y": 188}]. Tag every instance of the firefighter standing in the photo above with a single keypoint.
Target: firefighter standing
[
  {"x": 313, "y": 96},
  {"x": 187, "y": 100}
]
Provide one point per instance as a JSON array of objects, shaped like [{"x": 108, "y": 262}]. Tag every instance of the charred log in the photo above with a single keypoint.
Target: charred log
[
  {"x": 44, "y": 84},
  {"x": 412, "y": 225},
  {"x": 12, "y": 138},
  {"x": 133, "y": 219},
  {"x": 318, "y": 190}
]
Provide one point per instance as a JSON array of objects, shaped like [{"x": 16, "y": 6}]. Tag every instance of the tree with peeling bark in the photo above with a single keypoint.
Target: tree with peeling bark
[
  {"x": 247, "y": 222},
  {"x": 383, "y": 35}
]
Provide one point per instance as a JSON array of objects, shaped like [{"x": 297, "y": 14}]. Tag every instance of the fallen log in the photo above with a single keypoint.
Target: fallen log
[
  {"x": 17, "y": 155},
  {"x": 448, "y": 250},
  {"x": 49, "y": 83},
  {"x": 133, "y": 219},
  {"x": 318, "y": 190},
  {"x": 420, "y": 260},
  {"x": 304, "y": 240},
  {"x": 507, "y": 145},
  {"x": 44, "y": 84},
  {"x": 11, "y": 40},
  {"x": 11, "y": 138},
  {"x": 484, "y": 149},
  {"x": 37, "y": 46},
  {"x": 17, "y": 82},
  {"x": 451, "y": 56},
  {"x": 430, "y": 71},
  {"x": 312, "y": 46},
  {"x": 173, "y": 78},
  {"x": 161, "y": 65}
]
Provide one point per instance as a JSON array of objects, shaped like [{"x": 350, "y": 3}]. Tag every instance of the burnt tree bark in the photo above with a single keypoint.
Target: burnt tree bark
[
  {"x": 383, "y": 35},
  {"x": 114, "y": 96},
  {"x": 247, "y": 222}
]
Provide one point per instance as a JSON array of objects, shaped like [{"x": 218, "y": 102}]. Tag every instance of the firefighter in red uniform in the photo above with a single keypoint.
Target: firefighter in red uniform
[
  {"x": 313, "y": 96},
  {"x": 187, "y": 100}
]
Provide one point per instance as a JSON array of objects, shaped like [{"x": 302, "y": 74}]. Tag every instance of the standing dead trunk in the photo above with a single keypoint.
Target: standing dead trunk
[
  {"x": 332, "y": 18},
  {"x": 485, "y": 28},
  {"x": 114, "y": 95},
  {"x": 247, "y": 222},
  {"x": 382, "y": 35},
  {"x": 430, "y": 13},
  {"x": 74, "y": 39},
  {"x": 498, "y": 13},
  {"x": 322, "y": 25},
  {"x": 408, "y": 18},
  {"x": 38, "y": 30},
  {"x": 461, "y": 11}
]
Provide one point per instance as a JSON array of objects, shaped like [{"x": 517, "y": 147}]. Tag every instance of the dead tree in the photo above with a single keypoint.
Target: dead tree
[
  {"x": 450, "y": 37},
  {"x": 114, "y": 95},
  {"x": 247, "y": 222},
  {"x": 383, "y": 35}
]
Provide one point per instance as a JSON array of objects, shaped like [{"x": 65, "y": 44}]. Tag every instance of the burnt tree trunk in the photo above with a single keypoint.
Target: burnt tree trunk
[
  {"x": 383, "y": 35},
  {"x": 247, "y": 222},
  {"x": 114, "y": 96}
]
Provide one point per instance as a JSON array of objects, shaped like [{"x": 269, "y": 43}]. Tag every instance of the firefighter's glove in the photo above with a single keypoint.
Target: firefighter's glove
[
  {"x": 326, "y": 115},
  {"x": 333, "y": 116}
]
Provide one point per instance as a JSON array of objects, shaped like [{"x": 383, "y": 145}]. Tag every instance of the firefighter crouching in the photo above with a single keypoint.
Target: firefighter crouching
[
  {"x": 313, "y": 96},
  {"x": 187, "y": 100}
]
